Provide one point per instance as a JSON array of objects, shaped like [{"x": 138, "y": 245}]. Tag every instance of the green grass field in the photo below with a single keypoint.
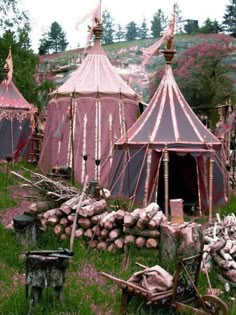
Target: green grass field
[{"x": 86, "y": 292}]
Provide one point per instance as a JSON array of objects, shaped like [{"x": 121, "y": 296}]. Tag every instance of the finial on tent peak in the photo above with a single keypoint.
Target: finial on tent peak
[
  {"x": 169, "y": 55},
  {"x": 97, "y": 30}
]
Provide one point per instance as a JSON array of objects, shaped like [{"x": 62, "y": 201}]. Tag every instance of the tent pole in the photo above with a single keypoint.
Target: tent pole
[
  {"x": 166, "y": 180},
  {"x": 211, "y": 177},
  {"x": 72, "y": 142}
]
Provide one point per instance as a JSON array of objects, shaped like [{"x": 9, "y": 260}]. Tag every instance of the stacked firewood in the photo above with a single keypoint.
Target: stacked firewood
[
  {"x": 220, "y": 247},
  {"x": 103, "y": 228}
]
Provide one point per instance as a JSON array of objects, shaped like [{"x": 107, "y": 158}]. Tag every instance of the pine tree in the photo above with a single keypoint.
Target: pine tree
[
  {"x": 120, "y": 33},
  {"x": 158, "y": 24},
  {"x": 179, "y": 20},
  {"x": 57, "y": 38},
  {"x": 131, "y": 31},
  {"x": 53, "y": 41},
  {"x": 143, "y": 30},
  {"x": 229, "y": 18},
  {"x": 210, "y": 27},
  {"x": 108, "y": 28}
]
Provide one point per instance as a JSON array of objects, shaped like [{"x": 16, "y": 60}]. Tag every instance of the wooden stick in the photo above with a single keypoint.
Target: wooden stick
[{"x": 76, "y": 215}]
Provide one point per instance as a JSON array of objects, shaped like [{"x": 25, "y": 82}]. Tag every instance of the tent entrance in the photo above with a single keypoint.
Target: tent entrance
[{"x": 183, "y": 183}]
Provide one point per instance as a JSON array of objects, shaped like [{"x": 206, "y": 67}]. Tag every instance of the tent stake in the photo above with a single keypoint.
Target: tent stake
[{"x": 72, "y": 143}]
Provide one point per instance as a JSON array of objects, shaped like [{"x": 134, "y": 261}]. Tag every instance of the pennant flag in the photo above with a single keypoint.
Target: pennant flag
[
  {"x": 151, "y": 51},
  {"x": 9, "y": 66},
  {"x": 94, "y": 14},
  {"x": 227, "y": 126},
  {"x": 96, "y": 18}
]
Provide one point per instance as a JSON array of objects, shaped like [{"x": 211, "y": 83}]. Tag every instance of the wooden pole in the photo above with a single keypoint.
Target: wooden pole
[
  {"x": 166, "y": 181},
  {"x": 211, "y": 178},
  {"x": 76, "y": 214},
  {"x": 72, "y": 142}
]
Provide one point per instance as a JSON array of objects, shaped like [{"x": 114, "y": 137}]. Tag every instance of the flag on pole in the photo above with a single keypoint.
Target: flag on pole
[
  {"x": 227, "y": 126},
  {"x": 9, "y": 66},
  {"x": 96, "y": 18},
  {"x": 94, "y": 14},
  {"x": 168, "y": 35}
]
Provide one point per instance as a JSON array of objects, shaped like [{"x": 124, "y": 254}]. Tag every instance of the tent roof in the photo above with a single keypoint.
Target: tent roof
[
  {"x": 11, "y": 98},
  {"x": 169, "y": 120},
  {"x": 96, "y": 74}
]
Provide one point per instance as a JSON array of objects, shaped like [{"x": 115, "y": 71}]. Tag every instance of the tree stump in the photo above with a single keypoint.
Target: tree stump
[
  {"x": 25, "y": 227},
  {"x": 180, "y": 240}
]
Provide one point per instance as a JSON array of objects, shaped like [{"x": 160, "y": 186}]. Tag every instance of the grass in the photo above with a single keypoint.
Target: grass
[{"x": 86, "y": 292}]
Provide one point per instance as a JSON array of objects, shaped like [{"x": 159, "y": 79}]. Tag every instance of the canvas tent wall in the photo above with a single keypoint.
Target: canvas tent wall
[
  {"x": 168, "y": 153},
  {"x": 102, "y": 107},
  {"x": 16, "y": 118}
]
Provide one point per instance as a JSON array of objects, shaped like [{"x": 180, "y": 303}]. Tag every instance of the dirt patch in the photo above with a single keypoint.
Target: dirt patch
[
  {"x": 7, "y": 215},
  {"x": 91, "y": 275}
]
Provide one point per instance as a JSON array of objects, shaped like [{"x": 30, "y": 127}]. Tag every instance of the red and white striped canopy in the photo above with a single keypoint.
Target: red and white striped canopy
[
  {"x": 169, "y": 120},
  {"x": 96, "y": 74}
]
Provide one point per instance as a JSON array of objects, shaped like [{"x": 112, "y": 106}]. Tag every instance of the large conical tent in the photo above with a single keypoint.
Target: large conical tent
[
  {"x": 91, "y": 110},
  {"x": 16, "y": 117},
  {"x": 169, "y": 154}
]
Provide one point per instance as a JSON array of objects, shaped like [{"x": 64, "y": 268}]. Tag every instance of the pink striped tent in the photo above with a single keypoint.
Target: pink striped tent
[
  {"x": 16, "y": 117},
  {"x": 102, "y": 106},
  {"x": 169, "y": 154}
]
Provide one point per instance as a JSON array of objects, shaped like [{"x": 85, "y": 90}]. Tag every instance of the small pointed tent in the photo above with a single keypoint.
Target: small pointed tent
[
  {"x": 91, "y": 110},
  {"x": 168, "y": 153},
  {"x": 16, "y": 116}
]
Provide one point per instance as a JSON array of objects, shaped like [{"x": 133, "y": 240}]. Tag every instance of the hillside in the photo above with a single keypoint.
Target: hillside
[{"x": 125, "y": 57}]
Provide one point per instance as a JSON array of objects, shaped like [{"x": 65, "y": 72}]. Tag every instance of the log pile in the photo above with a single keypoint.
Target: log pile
[
  {"x": 220, "y": 247},
  {"x": 105, "y": 229}
]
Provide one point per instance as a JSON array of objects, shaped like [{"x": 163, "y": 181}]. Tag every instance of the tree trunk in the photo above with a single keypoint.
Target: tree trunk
[
  {"x": 104, "y": 234},
  {"x": 120, "y": 215},
  {"x": 49, "y": 213},
  {"x": 140, "y": 242},
  {"x": 58, "y": 230},
  {"x": 84, "y": 223},
  {"x": 95, "y": 208},
  {"x": 112, "y": 247},
  {"x": 151, "y": 243},
  {"x": 131, "y": 218},
  {"x": 129, "y": 239},
  {"x": 41, "y": 206},
  {"x": 180, "y": 239},
  {"x": 145, "y": 233},
  {"x": 64, "y": 222},
  {"x": 96, "y": 230},
  {"x": 79, "y": 232},
  {"x": 102, "y": 246},
  {"x": 119, "y": 242},
  {"x": 68, "y": 230},
  {"x": 53, "y": 220},
  {"x": 65, "y": 209},
  {"x": 114, "y": 234},
  {"x": 88, "y": 233}
]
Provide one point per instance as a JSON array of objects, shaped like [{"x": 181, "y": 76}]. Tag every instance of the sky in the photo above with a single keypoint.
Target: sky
[{"x": 67, "y": 13}]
